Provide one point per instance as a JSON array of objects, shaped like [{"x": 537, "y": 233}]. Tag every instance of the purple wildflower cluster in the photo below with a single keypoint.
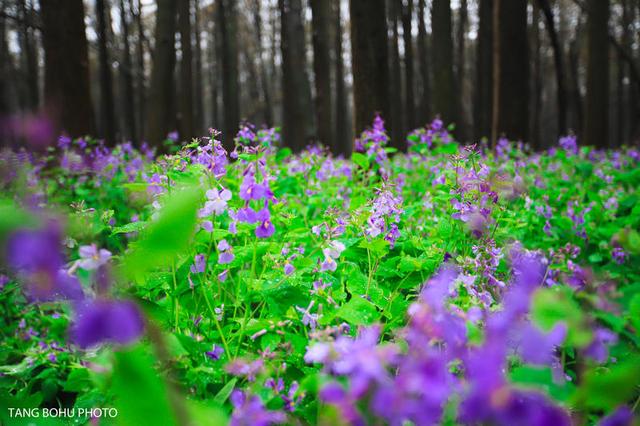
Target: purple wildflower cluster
[{"x": 386, "y": 210}]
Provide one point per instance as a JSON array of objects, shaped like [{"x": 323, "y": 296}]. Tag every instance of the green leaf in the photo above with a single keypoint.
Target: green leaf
[
  {"x": 142, "y": 397},
  {"x": 358, "y": 311},
  {"x": 553, "y": 305},
  {"x": 225, "y": 392},
  {"x": 606, "y": 388},
  {"x": 542, "y": 378},
  {"x": 129, "y": 227},
  {"x": 634, "y": 312},
  {"x": 77, "y": 381},
  {"x": 360, "y": 159},
  {"x": 167, "y": 236}
]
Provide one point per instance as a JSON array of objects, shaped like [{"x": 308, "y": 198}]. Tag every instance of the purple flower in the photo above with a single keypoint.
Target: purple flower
[
  {"x": 106, "y": 321},
  {"x": 215, "y": 353},
  {"x": 226, "y": 255},
  {"x": 309, "y": 319},
  {"x": 250, "y": 411},
  {"x": 174, "y": 136},
  {"x": 251, "y": 190},
  {"x": 199, "y": 264},
  {"x": 288, "y": 268},
  {"x": 36, "y": 256},
  {"x": 265, "y": 228},
  {"x": 92, "y": 258},
  {"x": 619, "y": 255},
  {"x": 621, "y": 416},
  {"x": 217, "y": 202}
]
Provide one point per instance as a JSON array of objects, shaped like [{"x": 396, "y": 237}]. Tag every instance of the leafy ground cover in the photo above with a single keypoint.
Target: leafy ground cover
[{"x": 451, "y": 284}]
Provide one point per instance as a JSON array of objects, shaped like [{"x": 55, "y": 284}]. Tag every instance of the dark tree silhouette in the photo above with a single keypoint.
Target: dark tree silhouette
[
  {"x": 369, "y": 60},
  {"x": 321, "y": 12},
  {"x": 126, "y": 79},
  {"x": 227, "y": 21},
  {"x": 423, "y": 59},
  {"x": 484, "y": 72},
  {"x": 107, "y": 113},
  {"x": 67, "y": 97},
  {"x": 442, "y": 50},
  {"x": 161, "y": 91},
  {"x": 186, "y": 71},
  {"x": 343, "y": 136},
  {"x": 409, "y": 82}
]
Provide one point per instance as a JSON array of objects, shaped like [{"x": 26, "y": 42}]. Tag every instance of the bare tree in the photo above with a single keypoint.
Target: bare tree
[
  {"x": 264, "y": 79},
  {"x": 186, "y": 71},
  {"x": 484, "y": 71},
  {"x": 369, "y": 60},
  {"x": 343, "y": 136},
  {"x": 597, "y": 103},
  {"x": 442, "y": 50},
  {"x": 510, "y": 70},
  {"x": 321, "y": 14},
  {"x": 409, "y": 83},
  {"x": 198, "y": 105},
  {"x": 397, "y": 114},
  {"x": 126, "y": 79},
  {"x": 161, "y": 91},
  {"x": 67, "y": 96},
  {"x": 297, "y": 126},
  {"x": 425, "y": 75},
  {"x": 227, "y": 21},
  {"x": 107, "y": 112}
]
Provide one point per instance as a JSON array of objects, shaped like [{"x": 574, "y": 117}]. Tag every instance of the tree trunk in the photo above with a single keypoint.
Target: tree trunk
[
  {"x": 161, "y": 91},
  {"x": 409, "y": 85},
  {"x": 425, "y": 76},
  {"x": 369, "y": 61},
  {"x": 297, "y": 127},
  {"x": 561, "y": 91},
  {"x": 107, "y": 111},
  {"x": 510, "y": 70},
  {"x": 198, "y": 106},
  {"x": 597, "y": 107},
  {"x": 442, "y": 49},
  {"x": 67, "y": 93},
  {"x": 536, "y": 81},
  {"x": 484, "y": 72},
  {"x": 343, "y": 137},
  {"x": 126, "y": 79},
  {"x": 264, "y": 79},
  {"x": 462, "y": 125},
  {"x": 186, "y": 71},
  {"x": 396, "y": 125},
  {"x": 29, "y": 56},
  {"x": 321, "y": 13},
  {"x": 4, "y": 74},
  {"x": 214, "y": 70},
  {"x": 227, "y": 21},
  {"x": 140, "y": 70}
]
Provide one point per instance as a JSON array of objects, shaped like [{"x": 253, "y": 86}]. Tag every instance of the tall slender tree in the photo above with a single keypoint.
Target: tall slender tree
[
  {"x": 369, "y": 55},
  {"x": 343, "y": 137},
  {"x": 227, "y": 22},
  {"x": 198, "y": 105},
  {"x": 596, "y": 131},
  {"x": 461, "y": 54},
  {"x": 297, "y": 126},
  {"x": 321, "y": 22},
  {"x": 214, "y": 68},
  {"x": 409, "y": 81},
  {"x": 141, "y": 90},
  {"x": 67, "y": 97},
  {"x": 397, "y": 114},
  {"x": 107, "y": 111},
  {"x": 161, "y": 91},
  {"x": 442, "y": 50},
  {"x": 4, "y": 68},
  {"x": 561, "y": 91},
  {"x": 483, "y": 99},
  {"x": 264, "y": 78},
  {"x": 126, "y": 79},
  {"x": 29, "y": 55},
  {"x": 423, "y": 58},
  {"x": 510, "y": 70},
  {"x": 186, "y": 70}
]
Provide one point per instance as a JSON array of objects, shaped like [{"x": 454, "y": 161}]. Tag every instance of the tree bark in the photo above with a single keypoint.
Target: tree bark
[
  {"x": 461, "y": 113},
  {"x": 264, "y": 79},
  {"x": 4, "y": 74},
  {"x": 297, "y": 126},
  {"x": 484, "y": 72},
  {"x": 227, "y": 21},
  {"x": 126, "y": 79},
  {"x": 397, "y": 114},
  {"x": 425, "y": 76},
  {"x": 409, "y": 83},
  {"x": 140, "y": 70},
  {"x": 343, "y": 137},
  {"x": 561, "y": 91},
  {"x": 536, "y": 81},
  {"x": 442, "y": 49},
  {"x": 321, "y": 15},
  {"x": 29, "y": 56},
  {"x": 186, "y": 71},
  {"x": 510, "y": 70},
  {"x": 214, "y": 69},
  {"x": 161, "y": 91},
  {"x": 597, "y": 103},
  {"x": 67, "y": 94},
  {"x": 369, "y": 61},
  {"x": 198, "y": 105},
  {"x": 107, "y": 111}
]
